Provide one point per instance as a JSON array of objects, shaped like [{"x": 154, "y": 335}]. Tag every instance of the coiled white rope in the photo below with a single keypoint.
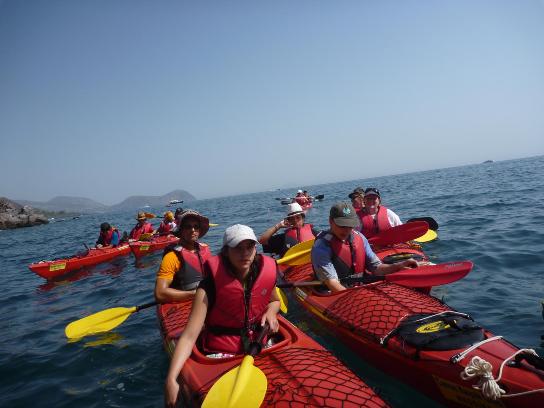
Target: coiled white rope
[{"x": 481, "y": 369}]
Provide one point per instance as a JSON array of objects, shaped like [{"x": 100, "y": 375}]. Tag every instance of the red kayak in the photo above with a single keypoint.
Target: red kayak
[
  {"x": 142, "y": 248},
  {"x": 299, "y": 371},
  {"x": 58, "y": 267},
  {"x": 426, "y": 344}
]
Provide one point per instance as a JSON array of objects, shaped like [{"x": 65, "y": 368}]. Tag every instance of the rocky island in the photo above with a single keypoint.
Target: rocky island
[{"x": 13, "y": 215}]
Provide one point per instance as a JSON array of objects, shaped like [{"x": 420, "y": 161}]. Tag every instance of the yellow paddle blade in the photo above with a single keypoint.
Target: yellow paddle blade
[
  {"x": 300, "y": 258},
  {"x": 99, "y": 322},
  {"x": 430, "y": 235},
  {"x": 283, "y": 300},
  {"x": 303, "y": 246},
  {"x": 298, "y": 255},
  {"x": 243, "y": 386},
  {"x": 214, "y": 225}
]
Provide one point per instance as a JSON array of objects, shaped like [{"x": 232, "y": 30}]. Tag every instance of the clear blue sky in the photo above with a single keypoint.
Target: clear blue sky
[{"x": 106, "y": 99}]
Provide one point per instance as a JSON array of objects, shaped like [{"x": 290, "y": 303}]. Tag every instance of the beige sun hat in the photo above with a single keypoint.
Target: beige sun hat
[{"x": 294, "y": 209}]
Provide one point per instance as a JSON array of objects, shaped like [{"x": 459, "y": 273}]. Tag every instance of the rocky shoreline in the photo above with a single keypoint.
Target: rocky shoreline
[{"x": 13, "y": 215}]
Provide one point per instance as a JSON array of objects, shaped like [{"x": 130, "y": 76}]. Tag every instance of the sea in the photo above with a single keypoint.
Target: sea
[{"x": 490, "y": 213}]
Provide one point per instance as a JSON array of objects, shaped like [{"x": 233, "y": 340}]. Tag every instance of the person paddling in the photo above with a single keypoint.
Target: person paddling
[
  {"x": 302, "y": 200},
  {"x": 109, "y": 237},
  {"x": 375, "y": 217},
  {"x": 142, "y": 227},
  {"x": 234, "y": 301},
  {"x": 168, "y": 225},
  {"x": 341, "y": 251},
  {"x": 296, "y": 231},
  {"x": 182, "y": 265}
]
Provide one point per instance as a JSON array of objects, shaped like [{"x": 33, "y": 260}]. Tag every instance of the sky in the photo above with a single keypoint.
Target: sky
[{"x": 111, "y": 98}]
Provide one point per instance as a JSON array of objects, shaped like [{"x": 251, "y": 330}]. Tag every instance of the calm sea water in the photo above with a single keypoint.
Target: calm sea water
[{"x": 491, "y": 214}]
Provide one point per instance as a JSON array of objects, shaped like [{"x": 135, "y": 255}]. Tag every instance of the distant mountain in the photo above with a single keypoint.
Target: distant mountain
[
  {"x": 152, "y": 201},
  {"x": 83, "y": 205},
  {"x": 68, "y": 204}
]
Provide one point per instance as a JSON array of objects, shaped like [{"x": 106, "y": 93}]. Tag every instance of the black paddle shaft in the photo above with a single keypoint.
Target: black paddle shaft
[{"x": 138, "y": 308}]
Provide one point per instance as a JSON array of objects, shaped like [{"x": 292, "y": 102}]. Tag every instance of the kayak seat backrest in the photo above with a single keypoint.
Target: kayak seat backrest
[{"x": 444, "y": 332}]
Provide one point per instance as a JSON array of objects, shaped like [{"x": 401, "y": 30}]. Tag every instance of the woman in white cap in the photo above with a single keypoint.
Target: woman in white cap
[
  {"x": 296, "y": 231},
  {"x": 182, "y": 265},
  {"x": 235, "y": 300}
]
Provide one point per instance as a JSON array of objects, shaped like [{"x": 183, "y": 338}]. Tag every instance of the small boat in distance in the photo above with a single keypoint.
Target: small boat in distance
[
  {"x": 487, "y": 161},
  {"x": 174, "y": 202}
]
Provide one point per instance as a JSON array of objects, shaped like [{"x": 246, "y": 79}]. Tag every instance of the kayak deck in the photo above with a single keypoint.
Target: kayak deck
[
  {"x": 59, "y": 267},
  {"x": 366, "y": 319},
  {"x": 142, "y": 248},
  {"x": 299, "y": 371}
]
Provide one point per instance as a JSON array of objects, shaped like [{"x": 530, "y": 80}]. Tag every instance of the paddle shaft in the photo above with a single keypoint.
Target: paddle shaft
[
  {"x": 145, "y": 306},
  {"x": 363, "y": 279},
  {"x": 421, "y": 277}
]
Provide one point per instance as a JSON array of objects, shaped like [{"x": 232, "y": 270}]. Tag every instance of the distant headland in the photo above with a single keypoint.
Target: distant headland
[{"x": 24, "y": 213}]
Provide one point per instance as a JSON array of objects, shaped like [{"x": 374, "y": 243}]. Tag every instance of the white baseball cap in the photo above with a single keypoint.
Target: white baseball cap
[{"x": 238, "y": 233}]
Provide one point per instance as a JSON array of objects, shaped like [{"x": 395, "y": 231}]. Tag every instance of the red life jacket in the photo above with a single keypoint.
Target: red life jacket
[
  {"x": 137, "y": 231},
  {"x": 234, "y": 316},
  {"x": 189, "y": 274},
  {"x": 164, "y": 228},
  {"x": 295, "y": 236},
  {"x": 348, "y": 258},
  {"x": 105, "y": 237},
  {"x": 302, "y": 200},
  {"x": 372, "y": 226}
]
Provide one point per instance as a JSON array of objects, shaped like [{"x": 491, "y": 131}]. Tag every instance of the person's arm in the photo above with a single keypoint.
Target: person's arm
[
  {"x": 271, "y": 313},
  {"x": 323, "y": 267},
  {"x": 393, "y": 218},
  {"x": 170, "y": 264},
  {"x": 374, "y": 265},
  {"x": 165, "y": 294},
  {"x": 386, "y": 269},
  {"x": 115, "y": 238},
  {"x": 265, "y": 237},
  {"x": 184, "y": 346},
  {"x": 132, "y": 234}
]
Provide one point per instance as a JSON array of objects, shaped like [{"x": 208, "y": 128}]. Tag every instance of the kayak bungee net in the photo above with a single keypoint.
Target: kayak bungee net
[
  {"x": 426, "y": 344},
  {"x": 142, "y": 248},
  {"x": 94, "y": 256},
  {"x": 299, "y": 371}
]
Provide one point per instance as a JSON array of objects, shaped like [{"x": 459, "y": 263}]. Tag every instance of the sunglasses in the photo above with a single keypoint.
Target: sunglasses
[{"x": 196, "y": 227}]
